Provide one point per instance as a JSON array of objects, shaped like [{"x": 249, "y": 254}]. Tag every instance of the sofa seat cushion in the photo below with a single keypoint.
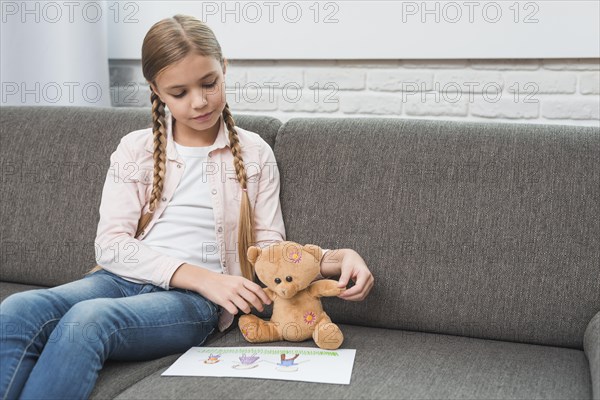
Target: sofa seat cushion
[
  {"x": 117, "y": 376},
  {"x": 8, "y": 288},
  {"x": 403, "y": 365}
]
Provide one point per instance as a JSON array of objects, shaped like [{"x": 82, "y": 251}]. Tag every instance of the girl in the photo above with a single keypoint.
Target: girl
[{"x": 166, "y": 283}]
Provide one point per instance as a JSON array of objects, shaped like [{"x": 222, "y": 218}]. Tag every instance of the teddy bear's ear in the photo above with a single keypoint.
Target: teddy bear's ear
[
  {"x": 315, "y": 250},
  {"x": 253, "y": 253}
]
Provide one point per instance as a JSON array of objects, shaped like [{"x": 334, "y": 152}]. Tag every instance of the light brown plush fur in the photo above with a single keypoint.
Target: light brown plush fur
[{"x": 288, "y": 270}]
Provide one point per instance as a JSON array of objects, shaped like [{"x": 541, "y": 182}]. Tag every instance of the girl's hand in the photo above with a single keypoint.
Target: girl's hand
[
  {"x": 233, "y": 293},
  {"x": 350, "y": 266}
]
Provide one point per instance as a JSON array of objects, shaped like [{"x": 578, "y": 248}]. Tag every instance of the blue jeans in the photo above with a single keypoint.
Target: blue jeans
[{"x": 55, "y": 341}]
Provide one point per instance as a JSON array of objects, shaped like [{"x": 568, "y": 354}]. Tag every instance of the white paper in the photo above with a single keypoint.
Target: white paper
[{"x": 311, "y": 364}]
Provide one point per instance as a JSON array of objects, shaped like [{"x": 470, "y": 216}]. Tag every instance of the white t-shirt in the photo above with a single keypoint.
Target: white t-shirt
[{"x": 186, "y": 229}]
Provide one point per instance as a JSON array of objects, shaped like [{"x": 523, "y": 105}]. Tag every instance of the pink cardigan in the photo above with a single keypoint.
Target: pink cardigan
[{"x": 126, "y": 194}]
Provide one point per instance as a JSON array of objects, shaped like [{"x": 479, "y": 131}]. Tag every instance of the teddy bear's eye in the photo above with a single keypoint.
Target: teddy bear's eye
[
  {"x": 288, "y": 278},
  {"x": 277, "y": 281}
]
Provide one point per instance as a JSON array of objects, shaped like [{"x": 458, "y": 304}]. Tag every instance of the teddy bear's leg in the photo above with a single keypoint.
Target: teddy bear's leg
[
  {"x": 327, "y": 335},
  {"x": 256, "y": 330}
]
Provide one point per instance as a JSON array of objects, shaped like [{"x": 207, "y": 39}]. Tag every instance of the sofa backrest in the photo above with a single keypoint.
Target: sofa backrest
[
  {"x": 54, "y": 163},
  {"x": 487, "y": 230},
  {"x": 478, "y": 229}
]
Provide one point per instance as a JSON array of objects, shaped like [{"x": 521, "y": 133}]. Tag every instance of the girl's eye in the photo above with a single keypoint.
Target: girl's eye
[{"x": 210, "y": 85}]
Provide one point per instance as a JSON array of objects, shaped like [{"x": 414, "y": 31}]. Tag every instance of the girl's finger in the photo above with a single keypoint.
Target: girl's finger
[
  {"x": 360, "y": 290},
  {"x": 345, "y": 277},
  {"x": 355, "y": 297},
  {"x": 258, "y": 291},
  {"x": 241, "y": 304},
  {"x": 251, "y": 298},
  {"x": 348, "y": 293},
  {"x": 371, "y": 284},
  {"x": 230, "y": 307}
]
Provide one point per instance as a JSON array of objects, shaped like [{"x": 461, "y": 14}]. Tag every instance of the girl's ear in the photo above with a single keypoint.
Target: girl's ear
[
  {"x": 155, "y": 90},
  {"x": 253, "y": 253}
]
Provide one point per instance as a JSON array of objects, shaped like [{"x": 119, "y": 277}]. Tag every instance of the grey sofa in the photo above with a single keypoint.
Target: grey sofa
[{"x": 484, "y": 240}]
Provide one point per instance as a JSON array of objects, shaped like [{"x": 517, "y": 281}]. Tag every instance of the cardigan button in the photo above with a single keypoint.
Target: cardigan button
[{"x": 178, "y": 165}]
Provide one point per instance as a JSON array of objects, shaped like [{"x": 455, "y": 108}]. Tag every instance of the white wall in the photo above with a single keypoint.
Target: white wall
[
  {"x": 53, "y": 55},
  {"x": 341, "y": 30},
  {"x": 548, "y": 91}
]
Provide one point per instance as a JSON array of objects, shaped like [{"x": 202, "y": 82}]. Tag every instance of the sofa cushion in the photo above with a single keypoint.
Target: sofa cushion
[
  {"x": 8, "y": 288},
  {"x": 486, "y": 230},
  {"x": 117, "y": 376},
  {"x": 591, "y": 348},
  {"x": 54, "y": 162},
  {"x": 403, "y": 365}
]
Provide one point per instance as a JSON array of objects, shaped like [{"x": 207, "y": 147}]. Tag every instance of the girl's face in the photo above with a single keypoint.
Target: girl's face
[{"x": 190, "y": 88}]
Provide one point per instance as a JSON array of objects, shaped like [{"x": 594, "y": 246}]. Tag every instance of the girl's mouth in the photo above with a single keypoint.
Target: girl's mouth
[{"x": 203, "y": 117}]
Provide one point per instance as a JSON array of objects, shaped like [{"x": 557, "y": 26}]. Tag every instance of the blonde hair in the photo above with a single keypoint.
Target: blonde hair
[{"x": 167, "y": 42}]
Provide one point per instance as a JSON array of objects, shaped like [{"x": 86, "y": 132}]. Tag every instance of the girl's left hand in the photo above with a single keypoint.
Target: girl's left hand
[{"x": 354, "y": 268}]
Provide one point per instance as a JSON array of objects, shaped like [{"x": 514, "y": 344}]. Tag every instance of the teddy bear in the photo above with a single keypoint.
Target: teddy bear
[{"x": 289, "y": 270}]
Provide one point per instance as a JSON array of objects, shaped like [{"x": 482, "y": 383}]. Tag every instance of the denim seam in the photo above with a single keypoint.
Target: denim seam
[
  {"x": 12, "y": 379},
  {"x": 207, "y": 336},
  {"x": 117, "y": 285},
  {"x": 158, "y": 326},
  {"x": 150, "y": 373}
]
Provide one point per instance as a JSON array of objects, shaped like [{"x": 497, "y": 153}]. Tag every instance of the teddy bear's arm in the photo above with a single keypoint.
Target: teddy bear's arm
[{"x": 325, "y": 288}]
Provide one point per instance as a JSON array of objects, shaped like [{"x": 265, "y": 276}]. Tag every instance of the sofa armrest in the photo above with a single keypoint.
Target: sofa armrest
[{"x": 591, "y": 347}]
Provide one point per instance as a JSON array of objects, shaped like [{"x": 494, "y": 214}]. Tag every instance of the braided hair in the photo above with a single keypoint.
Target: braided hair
[{"x": 167, "y": 42}]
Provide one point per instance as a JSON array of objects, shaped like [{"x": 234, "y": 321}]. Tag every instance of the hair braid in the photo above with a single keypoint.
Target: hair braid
[
  {"x": 160, "y": 146},
  {"x": 167, "y": 42},
  {"x": 159, "y": 131},
  {"x": 246, "y": 236}
]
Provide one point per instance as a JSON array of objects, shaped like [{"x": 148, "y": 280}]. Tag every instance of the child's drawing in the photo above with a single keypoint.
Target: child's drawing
[
  {"x": 247, "y": 362},
  {"x": 287, "y": 364},
  {"x": 212, "y": 359}
]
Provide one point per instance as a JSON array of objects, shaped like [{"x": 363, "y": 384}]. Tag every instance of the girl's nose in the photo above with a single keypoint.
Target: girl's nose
[{"x": 199, "y": 100}]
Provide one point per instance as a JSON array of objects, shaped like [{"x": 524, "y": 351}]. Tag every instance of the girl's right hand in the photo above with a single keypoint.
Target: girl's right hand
[{"x": 233, "y": 293}]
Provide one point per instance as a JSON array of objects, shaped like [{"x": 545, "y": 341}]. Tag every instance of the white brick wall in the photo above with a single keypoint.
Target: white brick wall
[{"x": 530, "y": 91}]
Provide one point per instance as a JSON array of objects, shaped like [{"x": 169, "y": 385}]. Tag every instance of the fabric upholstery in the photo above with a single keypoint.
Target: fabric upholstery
[
  {"x": 483, "y": 239},
  {"x": 487, "y": 230},
  {"x": 591, "y": 346},
  {"x": 54, "y": 162},
  {"x": 393, "y": 364},
  {"x": 8, "y": 288}
]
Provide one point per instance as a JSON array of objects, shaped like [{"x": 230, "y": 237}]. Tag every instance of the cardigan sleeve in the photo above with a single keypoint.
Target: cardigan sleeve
[
  {"x": 268, "y": 218},
  {"x": 117, "y": 250}
]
